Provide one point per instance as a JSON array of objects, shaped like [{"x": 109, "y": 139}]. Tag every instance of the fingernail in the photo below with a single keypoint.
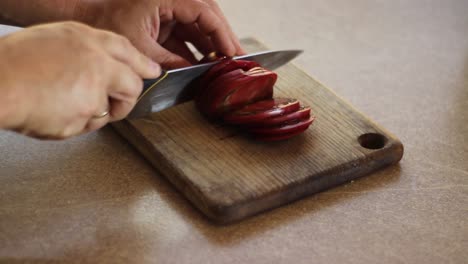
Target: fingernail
[{"x": 156, "y": 68}]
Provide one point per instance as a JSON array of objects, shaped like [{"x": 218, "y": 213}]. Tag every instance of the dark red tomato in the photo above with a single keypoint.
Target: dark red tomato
[
  {"x": 302, "y": 114},
  {"x": 258, "y": 111},
  {"x": 282, "y": 129}
]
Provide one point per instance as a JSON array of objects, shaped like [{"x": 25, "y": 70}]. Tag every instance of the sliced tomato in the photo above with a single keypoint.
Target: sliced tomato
[
  {"x": 282, "y": 129},
  {"x": 240, "y": 93},
  {"x": 303, "y": 113},
  {"x": 261, "y": 110}
]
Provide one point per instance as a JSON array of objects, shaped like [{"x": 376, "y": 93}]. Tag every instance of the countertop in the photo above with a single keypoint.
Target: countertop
[{"x": 402, "y": 63}]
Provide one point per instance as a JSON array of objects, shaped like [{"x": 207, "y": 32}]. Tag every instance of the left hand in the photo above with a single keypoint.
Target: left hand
[
  {"x": 60, "y": 80},
  {"x": 160, "y": 28}
]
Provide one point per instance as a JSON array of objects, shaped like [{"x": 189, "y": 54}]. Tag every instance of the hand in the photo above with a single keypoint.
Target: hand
[
  {"x": 160, "y": 28},
  {"x": 54, "y": 78}
]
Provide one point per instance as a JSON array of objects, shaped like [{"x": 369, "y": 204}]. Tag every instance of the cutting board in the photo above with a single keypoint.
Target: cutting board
[{"x": 229, "y": 176}]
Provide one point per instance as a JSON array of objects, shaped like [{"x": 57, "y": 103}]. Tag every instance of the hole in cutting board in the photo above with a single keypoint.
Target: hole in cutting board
[{"x": 372, "y": 140}]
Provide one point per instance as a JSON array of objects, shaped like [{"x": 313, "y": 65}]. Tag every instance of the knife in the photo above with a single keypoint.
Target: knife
[{"x": 171, "y": 87}]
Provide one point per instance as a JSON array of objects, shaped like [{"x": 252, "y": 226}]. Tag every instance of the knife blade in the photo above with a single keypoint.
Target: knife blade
[{"x": 171, "y": 88}]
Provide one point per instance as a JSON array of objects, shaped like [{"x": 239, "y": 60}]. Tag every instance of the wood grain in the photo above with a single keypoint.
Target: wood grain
[{"x": 228, "y": 176}]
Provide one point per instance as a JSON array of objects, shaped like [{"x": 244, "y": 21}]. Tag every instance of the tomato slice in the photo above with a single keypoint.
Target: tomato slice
[
  {"x": 223, "y": 67},
  {"x": 302, "y": 114},
  {"x": 233, "y": 90},
  {"x": 282, "y": 129},
  {"x": 261, "y": 110},
  {"x": 261, "y": 87}
]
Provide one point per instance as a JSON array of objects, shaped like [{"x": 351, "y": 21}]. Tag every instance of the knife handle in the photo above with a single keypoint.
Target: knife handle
[{"x": 149, "y": 84}]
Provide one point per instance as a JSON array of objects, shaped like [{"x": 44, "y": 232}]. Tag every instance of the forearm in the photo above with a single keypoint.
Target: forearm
[{"x": 28, "y": 12}]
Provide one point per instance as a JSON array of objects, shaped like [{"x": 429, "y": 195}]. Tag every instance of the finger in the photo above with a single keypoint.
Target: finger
[
  {"x": 122, "y": 50},
  {"x": 179, "y": 47},
  {"x": 159, "y": 54},
  {"x": 165, "y": 30},
  {"x": 77, "y": 127},
  {"x": 234, "y": 38},
  {"x": 98, "y": 121},
  {"x": 210, "y": 24},
  {"x": 191, "y": 33},
  {"x": 120, "y": 108},
  {"x": 122, "y": 92},
  {"x": 55, "y": 131},
  {"x": 100, "y": 115}
]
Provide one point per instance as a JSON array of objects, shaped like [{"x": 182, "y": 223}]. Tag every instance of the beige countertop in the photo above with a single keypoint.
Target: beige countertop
[{"x": 403, "y": 63}]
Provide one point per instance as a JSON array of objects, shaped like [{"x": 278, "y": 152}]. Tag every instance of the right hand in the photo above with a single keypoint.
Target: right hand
[
  {"x": 56, "y": 78},
  {"x": 161, "y": 28}
]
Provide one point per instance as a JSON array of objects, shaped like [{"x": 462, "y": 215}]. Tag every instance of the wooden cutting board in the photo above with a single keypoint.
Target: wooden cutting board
[{"x": 229, "y": 176}]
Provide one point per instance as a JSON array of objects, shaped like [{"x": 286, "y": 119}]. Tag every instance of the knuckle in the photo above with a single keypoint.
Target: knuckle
[
  {"x": 72, "y": 27},
  {"x": 117, "y": 39},
  {"x": 105, "y": 36},
  {"x": 200, "y": 4},
  {"x": 135, "y": 86},
  {"x": 144, "y": 61},
  {"x": 117, "y": 44},
  {"x": 124, "y": 41},
  {"x": 76, "y": 36},
  {"x": 127, "y": 47},
  {"x": 205, "y": 6}
]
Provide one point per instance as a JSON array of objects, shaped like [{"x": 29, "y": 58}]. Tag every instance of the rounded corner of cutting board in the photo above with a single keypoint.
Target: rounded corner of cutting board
[
  {"x": 220, "y": 213},
  {"x": 398, "y": 150}
]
